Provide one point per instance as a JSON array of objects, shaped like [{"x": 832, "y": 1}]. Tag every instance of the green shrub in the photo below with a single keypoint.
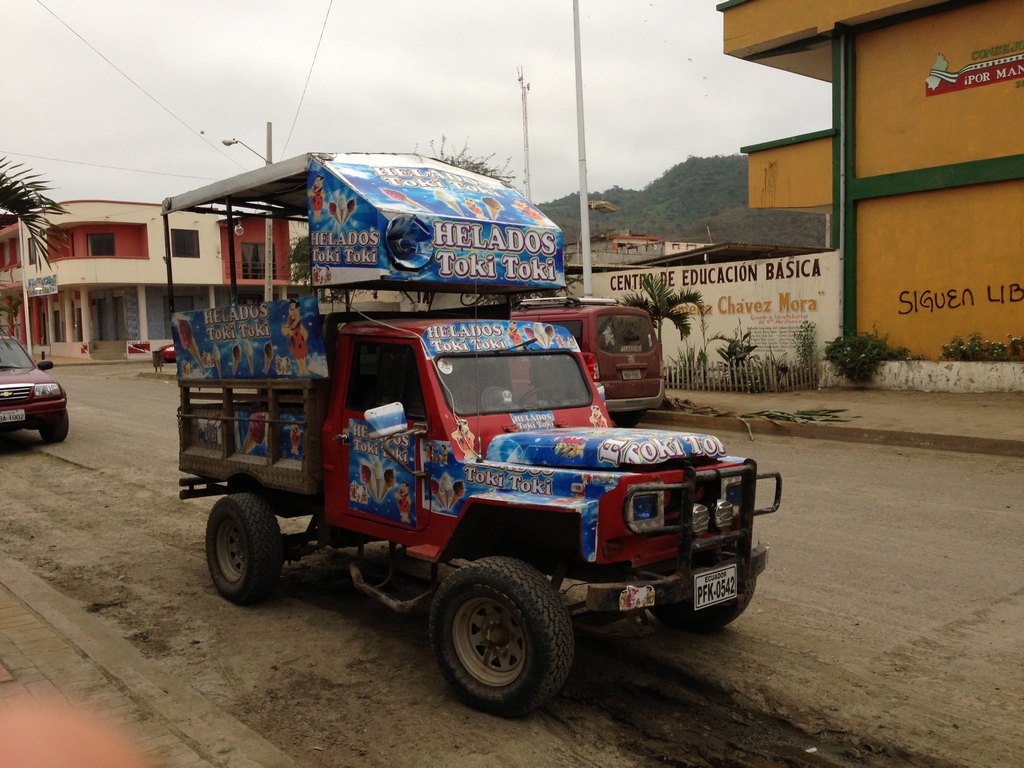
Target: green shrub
[
  {"x": 858, "y": 357},
  {"x": 977, "y": 349}
]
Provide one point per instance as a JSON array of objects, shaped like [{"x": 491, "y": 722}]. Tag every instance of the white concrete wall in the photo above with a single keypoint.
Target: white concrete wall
[{"x": 940, "y": 376}]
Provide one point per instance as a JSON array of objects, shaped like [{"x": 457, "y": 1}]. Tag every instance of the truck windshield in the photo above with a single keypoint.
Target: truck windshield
[{"x": 511, "y": 383}]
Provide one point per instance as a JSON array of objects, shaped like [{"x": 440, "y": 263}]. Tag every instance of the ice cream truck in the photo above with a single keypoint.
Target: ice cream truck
[{"x": 463, "y": 459}]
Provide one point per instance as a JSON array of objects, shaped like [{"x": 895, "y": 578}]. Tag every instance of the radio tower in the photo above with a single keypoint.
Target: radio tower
[{"x": 525, "y": 87}]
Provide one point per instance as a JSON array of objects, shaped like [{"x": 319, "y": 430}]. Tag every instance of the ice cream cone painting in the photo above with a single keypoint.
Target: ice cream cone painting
[
  {"x": 248, "y": 355},
  {"x": 236, "y": 358},
  {"x": 257, "y": 434},
  {"x": 188, "y": 341},
  {"x": 493, "y": 206},
  {"x": 401, "y": 197},
  {"x": 446, "y": 493},
  {"x": 448, "y": 199},
  {"x": 268, "y": 357}
]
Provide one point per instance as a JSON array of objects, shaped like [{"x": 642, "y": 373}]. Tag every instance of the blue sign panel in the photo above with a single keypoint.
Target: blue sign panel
[
  {"x": 269, "y": 340},
  {"x": 406, "y": 218}
]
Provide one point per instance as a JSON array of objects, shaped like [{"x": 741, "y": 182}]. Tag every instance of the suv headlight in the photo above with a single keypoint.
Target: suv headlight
[
  {"x": 645, "y": 511},
  {"x": 47, "y": 390}
]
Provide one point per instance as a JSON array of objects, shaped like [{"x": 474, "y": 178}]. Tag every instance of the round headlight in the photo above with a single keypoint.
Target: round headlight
[
  {"x": 701, "y": 518},
  {"x": 724, "y": 513}
]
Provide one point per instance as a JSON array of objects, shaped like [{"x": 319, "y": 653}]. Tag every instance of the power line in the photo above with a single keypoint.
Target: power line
[
  {"x": 308, "y": 75},
  {"x": 101, "y": 165},
  {"x": 150, "y": 96}
]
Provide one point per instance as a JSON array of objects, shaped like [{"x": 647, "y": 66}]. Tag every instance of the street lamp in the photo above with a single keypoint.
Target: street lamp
[{"x": 268, "y": 256}]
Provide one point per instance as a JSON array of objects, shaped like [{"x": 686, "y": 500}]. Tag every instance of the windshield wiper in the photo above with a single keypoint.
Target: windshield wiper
[{"x": 517, "y": 346}]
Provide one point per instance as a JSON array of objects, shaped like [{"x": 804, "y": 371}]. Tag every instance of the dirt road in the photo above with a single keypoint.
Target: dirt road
[{"x": 884, "y": 632}]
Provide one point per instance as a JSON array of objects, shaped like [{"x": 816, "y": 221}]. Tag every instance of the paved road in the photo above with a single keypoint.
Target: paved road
[{"x": 891, "y": 609}]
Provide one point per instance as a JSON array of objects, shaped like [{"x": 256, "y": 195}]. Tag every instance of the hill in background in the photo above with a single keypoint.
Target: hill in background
[{"x": 701, "y": 194}]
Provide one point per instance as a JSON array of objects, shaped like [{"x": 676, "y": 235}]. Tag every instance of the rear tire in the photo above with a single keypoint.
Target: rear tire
[
  {"x": 627, "y": 418},
  {"x": 244, "y": 549},
  {"x": 706, "y": 621},
  {"x": 56, "y": 433},
  {"x": 502, "y": 635}
]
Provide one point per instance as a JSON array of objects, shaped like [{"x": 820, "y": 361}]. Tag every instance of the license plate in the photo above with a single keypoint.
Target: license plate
[
  {"x": 631, "y": 373},
  {"x": 15, "y": 415},
  {"x": 713, "y": 587}
]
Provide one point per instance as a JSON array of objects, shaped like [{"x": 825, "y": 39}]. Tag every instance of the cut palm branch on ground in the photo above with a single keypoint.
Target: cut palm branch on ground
[{"x": 805, "y": 416}]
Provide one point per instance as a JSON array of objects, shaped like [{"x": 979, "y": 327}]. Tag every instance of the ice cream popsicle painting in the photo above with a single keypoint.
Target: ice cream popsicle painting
[{"x": 266, "y": 340}]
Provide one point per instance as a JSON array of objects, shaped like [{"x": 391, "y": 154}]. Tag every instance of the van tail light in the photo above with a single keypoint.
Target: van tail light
[{"x": 590, "y": 359}]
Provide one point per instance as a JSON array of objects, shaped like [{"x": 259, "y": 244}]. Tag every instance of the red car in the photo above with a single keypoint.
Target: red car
[
  {"x": 619, "y": 345},
  {"x": 30, "y": 398}
]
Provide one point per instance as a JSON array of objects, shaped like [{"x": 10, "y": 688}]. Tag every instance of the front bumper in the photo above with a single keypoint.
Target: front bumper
[{"x": 660, "y": 590}]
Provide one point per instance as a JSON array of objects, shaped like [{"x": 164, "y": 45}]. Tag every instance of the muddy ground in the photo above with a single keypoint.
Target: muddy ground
[{"x": 885, "y": 638}]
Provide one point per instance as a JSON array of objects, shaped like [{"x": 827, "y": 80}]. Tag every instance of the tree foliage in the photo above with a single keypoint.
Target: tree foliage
[
  {"x": 21, "y": 193},
  {"x": 482, "y": 164},
  {"x": 703, "y": 199},
  {"x": 662, "y": 303}
]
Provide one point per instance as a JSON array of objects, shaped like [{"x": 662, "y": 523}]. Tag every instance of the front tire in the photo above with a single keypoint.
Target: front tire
[
  {"x": 502, "y": 635},
  {"x": 56, "y": 433},
  {"x": 244, "y": 549},
  {"x": 706, "y": 621}
]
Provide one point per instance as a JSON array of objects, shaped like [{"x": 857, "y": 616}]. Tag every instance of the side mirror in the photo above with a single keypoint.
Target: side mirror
[
  {"x": 45, "y": 365},
  {"x": 386, "y": 420}
]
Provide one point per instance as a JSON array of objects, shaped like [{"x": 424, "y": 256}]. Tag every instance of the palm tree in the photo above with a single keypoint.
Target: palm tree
[
  {"x": 662, "y": 303},
  {"x": 21, "y": 193}
]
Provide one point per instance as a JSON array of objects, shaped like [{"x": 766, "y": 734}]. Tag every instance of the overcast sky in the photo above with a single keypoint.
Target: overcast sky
[{"x": 129, "y": 99}]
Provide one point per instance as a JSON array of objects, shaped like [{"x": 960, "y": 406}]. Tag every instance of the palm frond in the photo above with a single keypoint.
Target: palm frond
[{"x": 22, "y": 194}]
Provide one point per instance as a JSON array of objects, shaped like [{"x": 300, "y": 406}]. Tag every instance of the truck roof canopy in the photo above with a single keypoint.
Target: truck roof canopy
[{"x": 401, "y": 222}]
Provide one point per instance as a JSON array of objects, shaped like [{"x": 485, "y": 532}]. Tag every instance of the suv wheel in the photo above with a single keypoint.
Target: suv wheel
[
  {"x": 627, "y": 418},
  {"x": 55, "y": 433}
]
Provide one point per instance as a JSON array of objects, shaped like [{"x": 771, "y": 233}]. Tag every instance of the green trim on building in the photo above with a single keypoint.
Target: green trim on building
[
  {"x": 939, "y": 177},
  {"x": 789, "y": 141},
  {"x": 730, "y": 4}
]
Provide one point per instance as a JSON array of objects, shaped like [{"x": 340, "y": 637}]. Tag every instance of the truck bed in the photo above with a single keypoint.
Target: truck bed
[{"x": 268, "y": 430}]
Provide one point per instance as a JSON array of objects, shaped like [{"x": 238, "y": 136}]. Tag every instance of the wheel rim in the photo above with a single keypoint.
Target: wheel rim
[
  {"x": 230, "y": 550},
  {"x": 489, "y": 641}
]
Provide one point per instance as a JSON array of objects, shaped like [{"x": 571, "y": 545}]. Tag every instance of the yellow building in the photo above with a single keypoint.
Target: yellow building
[{"x": 922, "y": 169}]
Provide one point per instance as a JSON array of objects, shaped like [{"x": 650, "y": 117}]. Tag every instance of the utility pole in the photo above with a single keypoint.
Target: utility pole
[
  {"x": 268, "y": 256},
  {"x": 581, "y": 137},
  {"x": 524, "y": 87}
]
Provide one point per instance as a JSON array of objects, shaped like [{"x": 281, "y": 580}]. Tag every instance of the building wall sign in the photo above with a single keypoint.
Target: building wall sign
[
  {"x": 770, "y": 298},
  {"x": 42, "y": 286},
  {"x": 1000, "y": 64}
]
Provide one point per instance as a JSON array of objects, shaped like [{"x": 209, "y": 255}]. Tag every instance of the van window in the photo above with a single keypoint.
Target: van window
[{"x": 621, "y": 334}]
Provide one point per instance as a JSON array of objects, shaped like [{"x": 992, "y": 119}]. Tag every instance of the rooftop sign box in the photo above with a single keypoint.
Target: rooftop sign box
[{"x": 399, "y": 221}]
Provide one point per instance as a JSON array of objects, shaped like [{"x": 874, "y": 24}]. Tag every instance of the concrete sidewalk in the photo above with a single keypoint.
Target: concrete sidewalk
[
  {"x": 51, "y": 647},
  {"x": 990, "y": 422}
]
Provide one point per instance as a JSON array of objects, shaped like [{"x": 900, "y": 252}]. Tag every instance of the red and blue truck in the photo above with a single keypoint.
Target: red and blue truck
[{"x": 467, "y": 454}]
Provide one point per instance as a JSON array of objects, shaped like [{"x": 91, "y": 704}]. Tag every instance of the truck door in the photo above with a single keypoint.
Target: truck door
[{"x": 382, "y": 480}]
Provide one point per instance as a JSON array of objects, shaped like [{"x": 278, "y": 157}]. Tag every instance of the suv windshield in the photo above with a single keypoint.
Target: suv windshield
[
  {"x": 624, "y": 333},
  {"x": 13, "y": 355},
  {"x": 510, "y": 383}
]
